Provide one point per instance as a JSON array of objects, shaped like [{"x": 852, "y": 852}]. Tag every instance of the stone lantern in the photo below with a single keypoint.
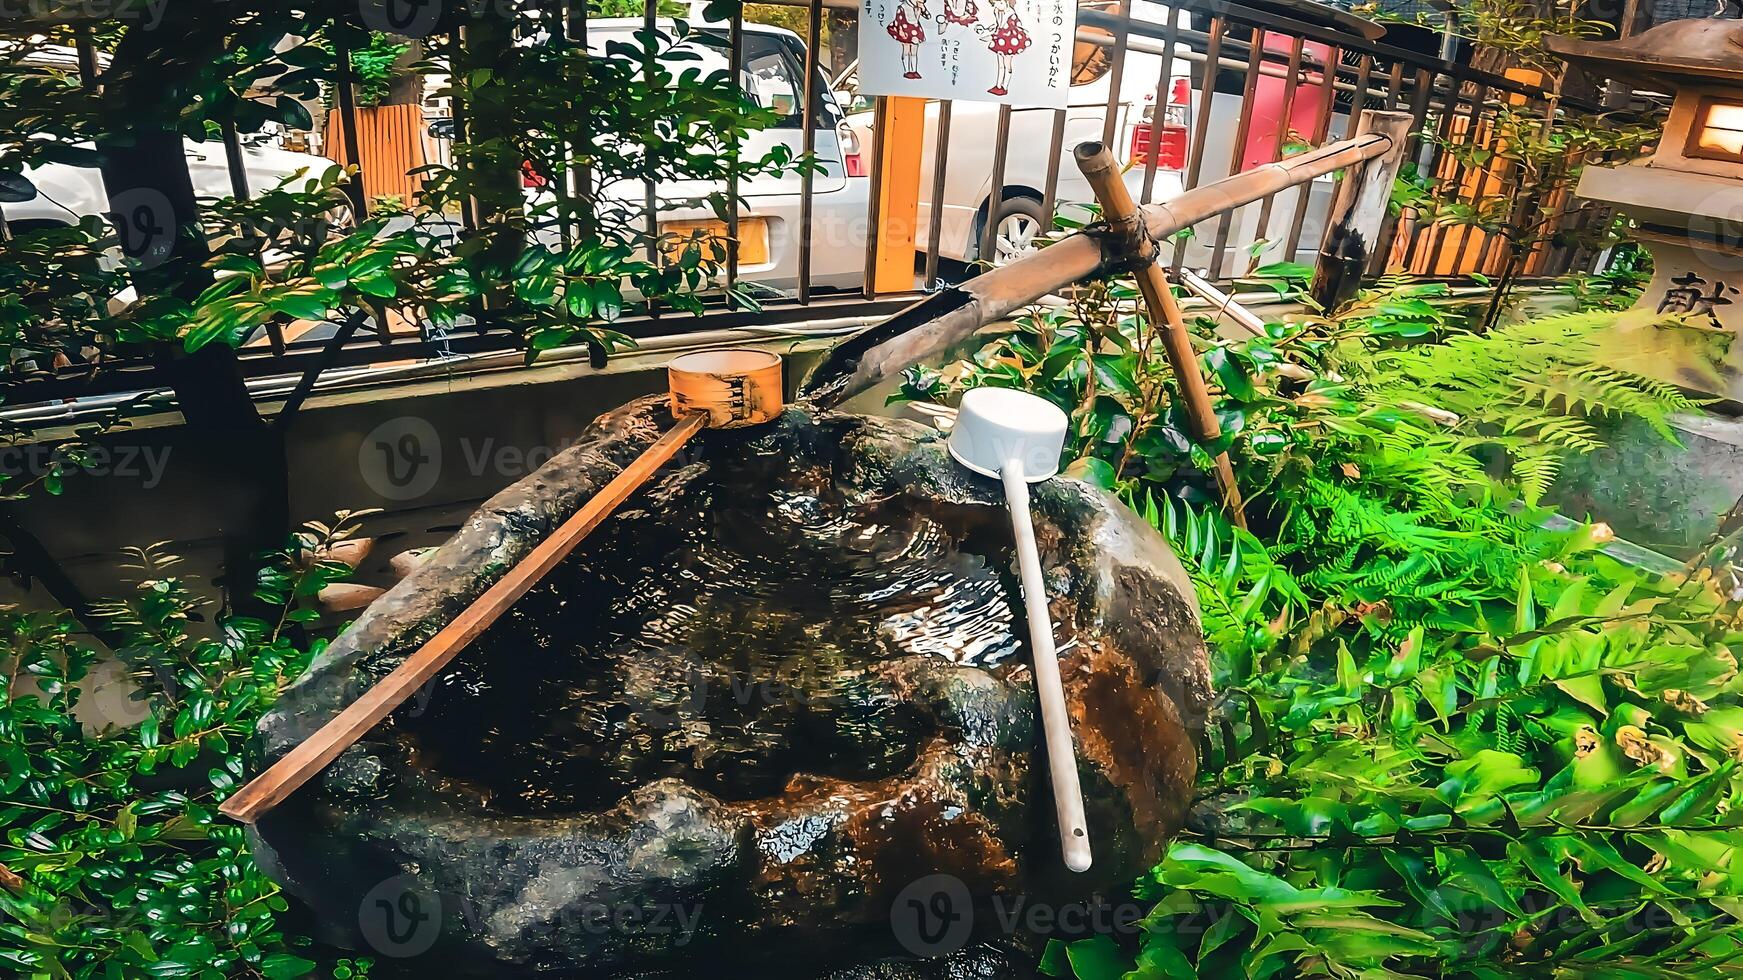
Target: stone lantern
[{"x": 1688, "y": 196}]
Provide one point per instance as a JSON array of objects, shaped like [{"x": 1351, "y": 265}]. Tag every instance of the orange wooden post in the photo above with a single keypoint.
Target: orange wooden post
[{"x": 900, "y": 145}]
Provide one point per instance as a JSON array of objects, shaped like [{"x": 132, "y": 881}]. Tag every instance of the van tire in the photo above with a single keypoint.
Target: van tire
[{"x": 1024, "y": 216}]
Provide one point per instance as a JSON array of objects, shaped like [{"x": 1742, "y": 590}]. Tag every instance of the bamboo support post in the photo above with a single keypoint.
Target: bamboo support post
[
  {"x": 1102, "y": 172},
  {"x": 300, "y": 764},
  {"x": 1358, "y": 211}
]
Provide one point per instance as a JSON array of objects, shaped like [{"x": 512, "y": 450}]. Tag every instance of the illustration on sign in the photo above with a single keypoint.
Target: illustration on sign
[{"x": 1013, "y": 51}]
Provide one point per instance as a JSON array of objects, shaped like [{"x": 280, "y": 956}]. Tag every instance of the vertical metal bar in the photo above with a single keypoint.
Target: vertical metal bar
[
  {"x": 935, "y": 213},
  {"x": 1492, "y": 142},
  {"x": 1418, "y": 117},
  {"x": 735, "y": 66},
  {"x": 1321, "y": 132},
  {"x": 1291, "y": 88},
  {"x": 1419, "y": 108},
  {"x": 457, "y": 105},
  {"x": 1460, "y": 170},
  {"x": 581, "y": 147},
  {"x": 808, "y": 119},
  {"x": 1364, "y": 78},
  {"x": 1055, "y": 153},
  {"x": 1164, "y": 98},
  {"x": 347, "y": 97},
  {"x": 649, "y": 200},
  {"x": 89, "y": 73},
  {"x": 989, "y": 233},
  {"x": 1110, "y": 127},
  {"x": 1213, "y": 53},
  {"x": 233, "y": 159},
  {"x": 1429, "y": 239},
  {"x": 880, "y": 117},
  {"x": 1358, "y": 104},
  {"x": 1243, "y": 130}
]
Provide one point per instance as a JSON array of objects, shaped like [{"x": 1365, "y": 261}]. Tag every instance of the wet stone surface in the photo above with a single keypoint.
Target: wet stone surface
[{"x": 785, "y": 683}]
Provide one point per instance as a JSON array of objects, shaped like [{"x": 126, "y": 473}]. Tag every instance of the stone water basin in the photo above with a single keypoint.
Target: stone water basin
[{"x": 784, "y": 684}]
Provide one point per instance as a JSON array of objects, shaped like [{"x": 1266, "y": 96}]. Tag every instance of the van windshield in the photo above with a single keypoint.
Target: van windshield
[{"x": 772, "y": 74}]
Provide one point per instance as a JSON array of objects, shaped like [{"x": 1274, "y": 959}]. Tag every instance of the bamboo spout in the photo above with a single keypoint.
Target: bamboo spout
[{"x": 947, "y": 319}]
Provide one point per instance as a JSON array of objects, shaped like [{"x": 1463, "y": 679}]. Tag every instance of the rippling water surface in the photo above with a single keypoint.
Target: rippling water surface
[{"x": 724, "y": 631}]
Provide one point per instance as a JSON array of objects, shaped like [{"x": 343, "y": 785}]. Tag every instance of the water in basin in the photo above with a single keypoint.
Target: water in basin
[{"x": 726, "y": 628}]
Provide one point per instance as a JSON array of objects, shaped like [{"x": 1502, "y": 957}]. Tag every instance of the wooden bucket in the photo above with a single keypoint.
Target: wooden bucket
[{"x": 737, "y": 388}]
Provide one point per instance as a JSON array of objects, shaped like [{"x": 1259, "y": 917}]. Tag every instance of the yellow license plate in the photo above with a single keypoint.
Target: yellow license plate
[{"x": 753, "y": 238}]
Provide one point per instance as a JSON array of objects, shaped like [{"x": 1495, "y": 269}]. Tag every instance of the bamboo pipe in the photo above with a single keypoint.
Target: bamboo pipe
[
  {"x": 937, "y": 324},
  {"x": 1102, "y": 172}
]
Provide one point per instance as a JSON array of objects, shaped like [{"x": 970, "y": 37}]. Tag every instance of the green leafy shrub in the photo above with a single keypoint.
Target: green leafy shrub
[
  {"x": 1449, "y": 740},
  {"x": 556, "y": 268},
  {"x": 113, "y": 860}
]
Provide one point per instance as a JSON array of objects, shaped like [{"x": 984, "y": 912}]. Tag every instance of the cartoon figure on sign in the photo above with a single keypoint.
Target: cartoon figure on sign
[
  {"x": 1005, "y": 37},
  {"x": 906, "y": 29},
  {"x": 964, "y": 15}
]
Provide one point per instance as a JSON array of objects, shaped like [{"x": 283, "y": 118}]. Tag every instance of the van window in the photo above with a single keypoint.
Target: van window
[{"x": 773, "y": 74}]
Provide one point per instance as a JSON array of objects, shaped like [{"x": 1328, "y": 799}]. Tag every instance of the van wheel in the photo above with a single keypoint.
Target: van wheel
[{"x": 1017, "y": 230}]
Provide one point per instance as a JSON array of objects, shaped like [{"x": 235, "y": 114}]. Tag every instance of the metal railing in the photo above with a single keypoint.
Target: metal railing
[{"x": 1262, "y": 87}]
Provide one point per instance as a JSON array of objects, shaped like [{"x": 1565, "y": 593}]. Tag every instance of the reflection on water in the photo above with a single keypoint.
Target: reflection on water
[{"x": 728, "y": 632}]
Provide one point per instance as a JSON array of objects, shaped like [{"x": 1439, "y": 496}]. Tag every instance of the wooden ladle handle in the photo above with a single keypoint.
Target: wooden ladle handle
[{"x": 314, "y": 753}]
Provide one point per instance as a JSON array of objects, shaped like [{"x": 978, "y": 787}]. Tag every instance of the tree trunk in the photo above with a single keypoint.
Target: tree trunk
[{"x": 151, "y": 196}]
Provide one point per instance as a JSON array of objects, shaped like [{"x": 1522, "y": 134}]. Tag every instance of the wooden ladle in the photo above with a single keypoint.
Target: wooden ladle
[{"x": 723, "y": 389}]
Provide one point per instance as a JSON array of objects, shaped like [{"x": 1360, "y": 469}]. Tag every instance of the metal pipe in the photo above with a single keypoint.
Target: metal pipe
[
  {"x": 1050, "y": 193},
  {"x": 735, "y": 66},
  {"x": 1201, "y": 126},
  {"x": 1243, "y": 132},
  {"x": 935, "y": 212},
  {"x": 1110, "y": 126},
  {"x": 1222, "y": 303},
  {"x": 1291, "y": 88},
  {"x": 1321, "y": 133},
  {"x": 808, "y": 144},
  {"x": 989, "y": 232},
  {"x": 1159, "y": 109}
]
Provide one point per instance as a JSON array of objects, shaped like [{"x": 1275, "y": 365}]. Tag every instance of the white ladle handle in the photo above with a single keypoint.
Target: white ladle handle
[{"x": 1055, "y": 720}]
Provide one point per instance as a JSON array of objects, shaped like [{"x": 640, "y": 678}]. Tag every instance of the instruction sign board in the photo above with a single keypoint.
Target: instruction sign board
[{"x": 1017, "y": 52}]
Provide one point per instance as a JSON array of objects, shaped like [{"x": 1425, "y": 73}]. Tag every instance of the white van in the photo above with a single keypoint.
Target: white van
[
  {"x": 772, "y": 72},
  {"x": 968, "y": 191},
  {"x": 66, "y": 194}
]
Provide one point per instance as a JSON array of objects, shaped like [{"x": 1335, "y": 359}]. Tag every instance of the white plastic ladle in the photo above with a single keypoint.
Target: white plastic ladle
[{"x": 1016, "y": 437}]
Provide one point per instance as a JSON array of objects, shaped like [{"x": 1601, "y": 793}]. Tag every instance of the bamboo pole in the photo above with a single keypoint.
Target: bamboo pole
[
  {"x": 300, "y": 764},
  {"x": 1102, "y": 172},
  {"x": 945, "y": 319}
]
